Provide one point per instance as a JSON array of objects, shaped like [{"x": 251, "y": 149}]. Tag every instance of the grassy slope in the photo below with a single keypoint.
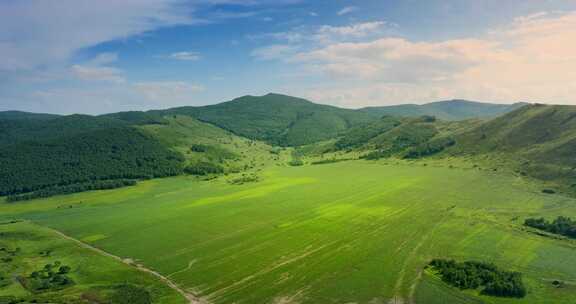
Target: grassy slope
[
  {"x": 235, "y": 153},
  {"x": 446, "y": 110},
  {"x": 309, "y": 235},
  {"x": 278, "y": 119},
  {"x": 537, "y": 140},
  {"x": 92, "y": 273},
  {"x": 398, "y": 135}
]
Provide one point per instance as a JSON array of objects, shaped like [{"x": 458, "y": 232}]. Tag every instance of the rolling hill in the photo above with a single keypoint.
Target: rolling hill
[
  {"x": 539, "y": 140},
  {"x": 323, "y": 226},
  {"x": 447, "y": 110},
  {"x": 39, "y": 151},
  {"x": 277, "y": 119}
]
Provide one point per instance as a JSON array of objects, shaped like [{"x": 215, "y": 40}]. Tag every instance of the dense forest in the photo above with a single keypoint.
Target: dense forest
[
  {"x": 561, "y": 225},
  {"x": 474, "y": 275},
  {"x": 74, "y": 188},
  {"x": 107, "y": 154}
]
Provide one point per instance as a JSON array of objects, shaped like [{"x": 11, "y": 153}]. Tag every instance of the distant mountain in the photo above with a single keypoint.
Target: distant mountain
[
  {"x": 17, "y": 115},
  {"x": 446, "y": 110},
  {"x": 277, "y": 119}
]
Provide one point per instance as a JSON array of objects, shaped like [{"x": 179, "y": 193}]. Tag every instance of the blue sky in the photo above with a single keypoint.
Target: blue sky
[{"x": 81, "y": 56}]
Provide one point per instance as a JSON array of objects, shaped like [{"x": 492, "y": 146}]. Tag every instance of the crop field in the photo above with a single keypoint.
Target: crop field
[{"x": 345, "y": 232}]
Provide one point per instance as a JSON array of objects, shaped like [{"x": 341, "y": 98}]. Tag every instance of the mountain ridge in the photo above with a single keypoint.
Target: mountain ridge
[{"x": 455, "y": 109}]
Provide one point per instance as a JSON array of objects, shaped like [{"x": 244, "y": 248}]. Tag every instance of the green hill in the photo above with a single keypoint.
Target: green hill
[
  {"x": 20, "y": 130},
  {"x": 106, "y": 154},
  {"x": 25, "y": 115},
  {"x": 403, "y": 137},
  {"x": 277, "y": 119},
  {"x": 81, "y": 152},
  {"x": 539, "y": 140},
  {"x": 446, "y": 110}
]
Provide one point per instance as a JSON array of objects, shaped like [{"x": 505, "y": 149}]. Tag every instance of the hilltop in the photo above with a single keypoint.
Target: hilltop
[{"x": 277, "y": 119}]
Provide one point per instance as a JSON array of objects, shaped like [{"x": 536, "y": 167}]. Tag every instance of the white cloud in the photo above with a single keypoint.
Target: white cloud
[
  {"x": 533, "y": 58},
  {"x": 329, "y": 34},
  {"x": 60, "y": 27},
  {"x": 276, "y": 51},
  {"x": 96, "y": 69},
  {"x": 347, "y": 10},
  {"x": 171, "y": 91},
  {"x": 185, "y": 56},
  {"x": 96, "y": 73}
]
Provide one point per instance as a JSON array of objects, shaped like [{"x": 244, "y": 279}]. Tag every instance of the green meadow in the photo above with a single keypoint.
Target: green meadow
[
  {"x": 30, "y": 247},
  {"x": 345, "y": 232}
]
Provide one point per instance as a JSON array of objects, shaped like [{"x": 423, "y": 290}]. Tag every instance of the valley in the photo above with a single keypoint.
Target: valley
[
  {"x": 308, "y": 234},
  {"x": 310, "y": 204}
]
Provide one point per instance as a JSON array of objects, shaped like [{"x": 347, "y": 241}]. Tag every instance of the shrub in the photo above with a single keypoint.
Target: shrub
[{"x": 204, "y": 168}]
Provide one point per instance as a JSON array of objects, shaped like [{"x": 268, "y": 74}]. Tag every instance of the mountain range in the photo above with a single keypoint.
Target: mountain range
[{"x": 40, "y": 152}]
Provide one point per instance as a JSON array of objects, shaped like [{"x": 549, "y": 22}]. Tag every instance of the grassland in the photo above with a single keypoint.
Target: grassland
[
  {"x": 95, "y": 277},
  {"x": 345, "y": 232}
]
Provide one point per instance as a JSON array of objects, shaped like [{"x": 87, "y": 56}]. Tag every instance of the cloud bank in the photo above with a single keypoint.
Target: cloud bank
[{"x": 531, "y": 59}]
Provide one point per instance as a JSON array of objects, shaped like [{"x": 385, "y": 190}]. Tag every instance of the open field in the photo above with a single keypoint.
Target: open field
[
  {"x": 95, "y": 276},
  {"x": 347, "y": 232}
]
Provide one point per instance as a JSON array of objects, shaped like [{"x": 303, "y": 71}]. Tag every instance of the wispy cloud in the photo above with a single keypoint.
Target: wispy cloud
[
  {"x": 61, "y": 27},
  {"x": 276, "y": 51},
  {"x": 329, "y": 33},
  {"x": 97, "y": 69},
  {"x": 168, "y": 90},
  {"x": 185, "y": 56},
  {"x": 347, "y": 10}
]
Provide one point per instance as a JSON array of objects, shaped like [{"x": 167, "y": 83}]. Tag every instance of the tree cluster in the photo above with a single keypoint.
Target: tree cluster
[
  {"x": 51, "y": 277},
  {"x": 561, "y": 225},
  {"x": 204, "y": 168},
  {"x": 474, "y": 275},
  {"x": 429, "y": 148}
]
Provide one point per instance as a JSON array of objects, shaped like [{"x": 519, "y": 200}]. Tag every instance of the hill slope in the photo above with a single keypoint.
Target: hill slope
[
  {"x": 539, "y": 139},
  {"x": 277, "y": 119},
  {"x": 25, "y": 115},
  {"x": 446, "y": 110}
]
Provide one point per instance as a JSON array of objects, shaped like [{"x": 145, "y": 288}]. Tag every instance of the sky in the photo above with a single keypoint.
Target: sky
[{"x": 85, "y": 56}]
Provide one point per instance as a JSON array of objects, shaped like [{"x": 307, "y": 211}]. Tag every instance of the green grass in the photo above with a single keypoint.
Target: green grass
[
  {"x": 94, "y": 275},
  {"x": 345, "y": 232}
]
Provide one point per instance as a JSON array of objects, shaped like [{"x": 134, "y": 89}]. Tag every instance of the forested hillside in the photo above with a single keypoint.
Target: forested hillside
[
  {"x": 20, "y": 130},
  {"x": 277, "y": 119},
  {"x": 108, "y": 154},
  {"x": 41, "y": 151},
  {"x": 402, "y": 137}
]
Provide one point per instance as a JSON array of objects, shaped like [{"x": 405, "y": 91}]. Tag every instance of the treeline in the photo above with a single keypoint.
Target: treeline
[
  {"x": 95, "y": 185},
  {"x": 109, "y": 154},
  {"x": 561, "y": 225},
  {"x": 429, "y": 148},
  {"x": 203, "y": 168},
  {"x": 474, "y": 275},
  {"x": 214, "y": 153}
]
